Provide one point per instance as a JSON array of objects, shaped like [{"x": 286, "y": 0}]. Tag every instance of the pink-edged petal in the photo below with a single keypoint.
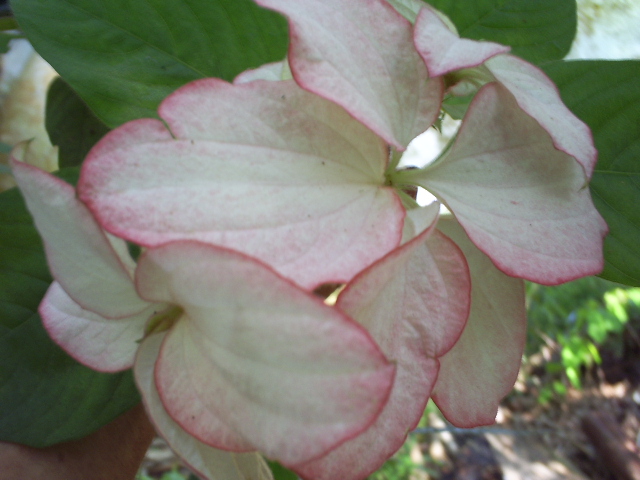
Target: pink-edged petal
[
  {"x": 422, "y": 286},
  {"x": 144, "y": 130},
  {"x": 415, "y": 303},
  {"x": 210, "y": 463},
  {"x": 418, "y": 220},
  {"x": 255, "y": 355},
  {"x": 337, "y": 51},
  {"x": 104, "y": 344},
  {"x": 483, "y": 365},
  {"x": 81, "y": 258},
  {"x": 271, "y": 71},
  {"x": 444, "y": 51},
  {"x": 263, "y": 167},
  {"x": 538, "y": 96},
  {"x": 521, "y": 201}
]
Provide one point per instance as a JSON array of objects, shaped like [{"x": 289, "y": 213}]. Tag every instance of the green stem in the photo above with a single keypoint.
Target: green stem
[
  {"x": 394, "y": 160},
  {"x": 164, "y": 320}
]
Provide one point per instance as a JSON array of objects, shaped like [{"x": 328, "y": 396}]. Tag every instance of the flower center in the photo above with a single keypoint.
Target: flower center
[{"x": 163, "y": 320}]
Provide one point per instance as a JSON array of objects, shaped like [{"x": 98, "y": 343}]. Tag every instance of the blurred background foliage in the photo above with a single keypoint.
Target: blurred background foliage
[{"x": 570, "y": 324}]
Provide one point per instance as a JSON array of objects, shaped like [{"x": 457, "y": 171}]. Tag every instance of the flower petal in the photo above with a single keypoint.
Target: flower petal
[
  {"x": 483, "y": 365},
  {"x": 263, "y": 167},
  {"x": 444, "y": 51},
  {"x": 271, "y": 71},
  {"x": 418, "y": 220},
  {"x": 415, "y": 303},
  {"x": 520, "y": 200},
  {"x": 211, "y": 463},
  {"x": 409, "y": 9},
  {"x": 255, "y": 355},
  {"x": 538, "y": 96},
  {"x": 337, "y": 51},
  {"x": 81, "y": 258},
  {"x": 104, "y": 344}
]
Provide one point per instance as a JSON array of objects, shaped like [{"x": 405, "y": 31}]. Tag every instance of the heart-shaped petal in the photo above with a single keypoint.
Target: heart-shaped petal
[
  {"x": 210, "y": 463},
  {"x": 521, "y": 201},
  {"x": 93, "y": 270},
  {"x": 415, "y": 303},
  {"x": 104, "y": 344},
  {"x": 256, "y": 363},
  {"x": 337, "y": 51},
  {"x": 263, "y": 167},
  {"x": 483, "y": 364}
]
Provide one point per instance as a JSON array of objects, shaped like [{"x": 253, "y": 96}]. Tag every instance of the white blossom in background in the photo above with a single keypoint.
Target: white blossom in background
[
  {"x": 607, "y": 29},
  {"x": 24, "y": 83}
]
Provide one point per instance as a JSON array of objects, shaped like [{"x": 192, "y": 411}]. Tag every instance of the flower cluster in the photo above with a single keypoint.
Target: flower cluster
[{"x": 246, "y": 197}]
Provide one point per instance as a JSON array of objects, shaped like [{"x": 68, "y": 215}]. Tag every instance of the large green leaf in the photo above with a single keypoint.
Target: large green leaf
[
  {"x": 45, "y": 396},
  {"x": 606, "y": 95},
  {"x": 536, "y": 30},
  {"x": 71, "y": 125},
  {"x": 123, "y": 57}
]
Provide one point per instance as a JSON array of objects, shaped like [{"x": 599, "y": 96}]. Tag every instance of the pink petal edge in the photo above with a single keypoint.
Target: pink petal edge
[
  {"x": 88, "y": 265},
  {"x": 207, "y": 462},
  {"x": 229, "y": 187},
  {"x": 483, "y": 365},
  {"x": 261, "y": 376},
  {"x": 443, "y": 51},
  {"x": 539, "y": 97},
  {"x": 104, "y": 344},
  {"x": 336, "y": 52},
  {"x": 520, "y": 200},
  {"x": 410, "y": 302}
]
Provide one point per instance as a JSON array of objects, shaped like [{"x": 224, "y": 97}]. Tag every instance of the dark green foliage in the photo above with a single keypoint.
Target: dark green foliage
[
  {"x": 537, "y": 31},
  {"x": 70, "y": 124},
  {"x": 124, "y": 57},
  {"x": 46, "y": 397},
  {"x": 606, "y": 96}
]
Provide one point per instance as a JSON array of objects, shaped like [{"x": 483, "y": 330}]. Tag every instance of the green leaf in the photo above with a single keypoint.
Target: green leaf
[
  {"x": 46, "y": 397},
  {"x": 124, "y": 57},
  {"x": 456, "y": 107},
  {"x": 538, "y": 31},
  {"x": 281, "y": 473},
  {"x": 559, "y": 387},
  {"x": 71, "y": 125},
  {"x": 606, "y": 96}
]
